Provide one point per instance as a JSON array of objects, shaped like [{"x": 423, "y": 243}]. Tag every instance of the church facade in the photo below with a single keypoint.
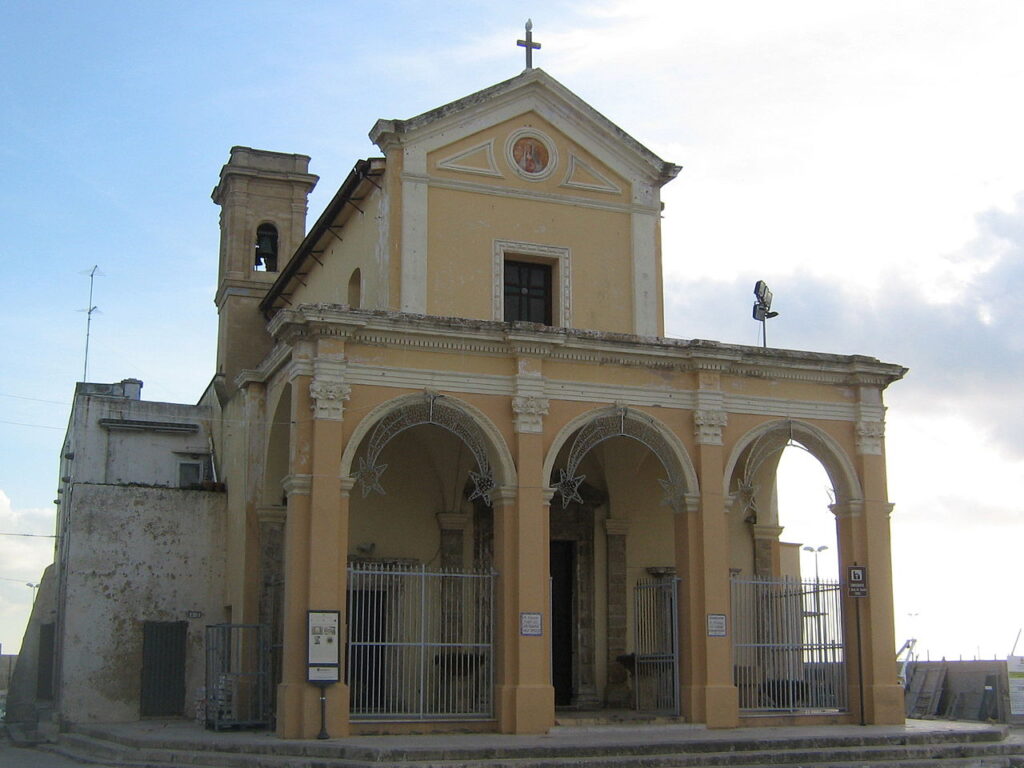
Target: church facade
[
  {"x": 451, "y": 416},
  {"x": 462, "y": 479}
]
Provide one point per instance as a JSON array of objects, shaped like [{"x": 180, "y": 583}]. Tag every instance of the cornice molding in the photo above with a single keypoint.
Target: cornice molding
[{"x": 490, "y": 337}]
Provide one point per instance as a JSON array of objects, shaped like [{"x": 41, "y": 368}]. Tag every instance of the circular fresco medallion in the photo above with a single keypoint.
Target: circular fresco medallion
[{"x": 531, "y": 154}]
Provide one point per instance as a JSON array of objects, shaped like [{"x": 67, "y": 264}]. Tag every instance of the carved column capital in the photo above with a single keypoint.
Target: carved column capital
[
  {"x": 869, "y": 437},
  {"x": 853, "y": 508},
  {"x": 297, "y": 485},
  {"x": 328, "y": 397},
  {"x": 530, "y": 412},
  {"x": 503, "y": 494},
  {"x": 708, "y": 426}
]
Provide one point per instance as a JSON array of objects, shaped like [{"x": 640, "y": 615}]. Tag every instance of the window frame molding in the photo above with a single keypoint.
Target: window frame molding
[{"x": 559, "y": 258}]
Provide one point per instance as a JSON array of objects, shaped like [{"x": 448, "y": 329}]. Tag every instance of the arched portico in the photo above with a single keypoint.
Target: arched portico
[
  {"x": 620, "y": 480},
  {"x": 837, "y": 648}
]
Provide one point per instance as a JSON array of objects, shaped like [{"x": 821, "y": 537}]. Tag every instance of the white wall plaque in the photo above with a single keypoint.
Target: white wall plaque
[{"x": 531, "y": 624}]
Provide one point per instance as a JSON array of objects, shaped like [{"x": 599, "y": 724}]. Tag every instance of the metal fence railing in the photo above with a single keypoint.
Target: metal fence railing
[
  {"x": 420, "y": 643},
  {"x": 788, "y": 650},
  {"x": 656, "y": 646},
  {"x": 238, "y": 683}
]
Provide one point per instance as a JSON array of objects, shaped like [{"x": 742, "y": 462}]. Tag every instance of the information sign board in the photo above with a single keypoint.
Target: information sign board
[
  {"x": 857, "y": 580},
  {"x": 324, "y": 646}
]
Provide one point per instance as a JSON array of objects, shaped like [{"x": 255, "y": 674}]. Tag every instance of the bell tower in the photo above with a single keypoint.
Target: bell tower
[{"x": 263, "y": 198}]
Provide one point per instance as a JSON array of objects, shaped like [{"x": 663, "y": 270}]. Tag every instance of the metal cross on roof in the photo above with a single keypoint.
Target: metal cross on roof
[{"x": 528, "y": 44}]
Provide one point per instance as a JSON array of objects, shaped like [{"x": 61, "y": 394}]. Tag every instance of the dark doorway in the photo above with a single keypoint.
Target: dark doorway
[
  {"x": 563, "y": 571},
  {"x": 163, "y": 668},
  {"x": 368, "y": 630}
]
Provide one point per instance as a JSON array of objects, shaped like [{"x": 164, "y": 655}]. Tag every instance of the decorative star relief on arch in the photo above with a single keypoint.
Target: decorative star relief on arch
[
  {"x": 616, "y": 422},
  {"x": 368, "y": 476},
  {"x": 434, "y": 409}
]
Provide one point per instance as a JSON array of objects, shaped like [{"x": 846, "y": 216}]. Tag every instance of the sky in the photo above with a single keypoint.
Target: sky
[{"x": 864, "y": 158}]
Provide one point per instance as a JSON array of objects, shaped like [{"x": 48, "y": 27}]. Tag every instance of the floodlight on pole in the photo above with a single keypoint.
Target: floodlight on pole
[{"x": 762, "y": 308}]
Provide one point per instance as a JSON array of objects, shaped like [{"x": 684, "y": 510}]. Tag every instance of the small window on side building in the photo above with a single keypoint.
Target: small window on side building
[
  {"x": 190, "y": 474},
  {"x": 355, "y": 289}
]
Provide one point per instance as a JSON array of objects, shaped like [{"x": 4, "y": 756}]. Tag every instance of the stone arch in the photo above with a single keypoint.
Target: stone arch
[
  {"x": 495, "y": 467},
  {"x": 596, "y": 426},
  {"x": 766, "y": 442},
  {"x": 276, "y": 458}
]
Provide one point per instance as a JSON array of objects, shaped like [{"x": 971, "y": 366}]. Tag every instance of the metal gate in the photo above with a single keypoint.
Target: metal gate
[
  {"x": 788, "y": 651},
  {"x": 656, "y": 646},
  {"x": 420, "y": 644},
  {"x": 163, "y": 668},
  {"x": 237, "y": 676}
]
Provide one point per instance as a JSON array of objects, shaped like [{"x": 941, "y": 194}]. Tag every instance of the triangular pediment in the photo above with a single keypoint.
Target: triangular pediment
[
  {"x": 582, "y": 175},
  {"x": 536, "y": 92},
  {"x": 478, "y": 159}
]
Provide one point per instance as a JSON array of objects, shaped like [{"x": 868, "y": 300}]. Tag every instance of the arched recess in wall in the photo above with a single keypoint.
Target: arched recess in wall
[
  {"x": 271, "y": 524},
  {"x": 276, "y": 463},
  {"x": 355, "y": 289}
]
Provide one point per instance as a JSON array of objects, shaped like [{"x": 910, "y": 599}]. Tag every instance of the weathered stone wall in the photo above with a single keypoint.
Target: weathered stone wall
[
  {"x": 135, "y": 555},
  {"x": 22, "y": 700}
]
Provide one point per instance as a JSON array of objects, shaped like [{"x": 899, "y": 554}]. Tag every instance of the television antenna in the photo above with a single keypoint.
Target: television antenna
[
  {"x": 93, "y": 274},
  {"x": 762, "y": 308}
]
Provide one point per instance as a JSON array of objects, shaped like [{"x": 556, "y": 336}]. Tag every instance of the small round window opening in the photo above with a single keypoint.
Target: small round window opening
[{"x": 531, "y": 155}]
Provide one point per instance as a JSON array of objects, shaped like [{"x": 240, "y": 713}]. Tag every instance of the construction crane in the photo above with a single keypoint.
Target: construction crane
[{"x": 904, "y": 656}]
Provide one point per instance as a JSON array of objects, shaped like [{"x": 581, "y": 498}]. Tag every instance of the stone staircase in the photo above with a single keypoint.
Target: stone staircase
[{"x": 648, "y": 746}]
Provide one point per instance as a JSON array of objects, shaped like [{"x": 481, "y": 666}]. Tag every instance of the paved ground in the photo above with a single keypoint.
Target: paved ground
[{"x": 13, "y": 757}]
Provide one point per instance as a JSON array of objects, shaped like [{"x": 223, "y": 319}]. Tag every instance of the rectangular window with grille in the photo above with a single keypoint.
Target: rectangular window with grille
[{"x": 528, "y": 292}]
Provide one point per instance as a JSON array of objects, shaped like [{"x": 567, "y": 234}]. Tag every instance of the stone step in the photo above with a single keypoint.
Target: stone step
[{"x": 582, "y": 748}]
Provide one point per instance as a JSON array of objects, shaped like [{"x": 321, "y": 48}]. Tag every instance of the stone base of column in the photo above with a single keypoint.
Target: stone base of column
[
  {"x": 889, "y": 702},
  {"x": 717, "y": 706},
  {"x": 617, "y": 693},
  {"x": 526, "y": 708},
  {"x": 298, "y": 711}
]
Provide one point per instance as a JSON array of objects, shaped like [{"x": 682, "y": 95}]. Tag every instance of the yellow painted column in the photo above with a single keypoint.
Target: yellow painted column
[
  {"x": 525, "y": 695},
  {"x": 316, "y": 561},
  {"x": 291, "y": 700},
  {"x": 711, "y": 693},
  {"x": 329, "y": 520},
  {"x": 869, "y": 521}
]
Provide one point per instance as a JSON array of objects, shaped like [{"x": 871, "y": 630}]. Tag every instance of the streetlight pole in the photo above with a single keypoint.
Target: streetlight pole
[{"x": 817, "y": 591}]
